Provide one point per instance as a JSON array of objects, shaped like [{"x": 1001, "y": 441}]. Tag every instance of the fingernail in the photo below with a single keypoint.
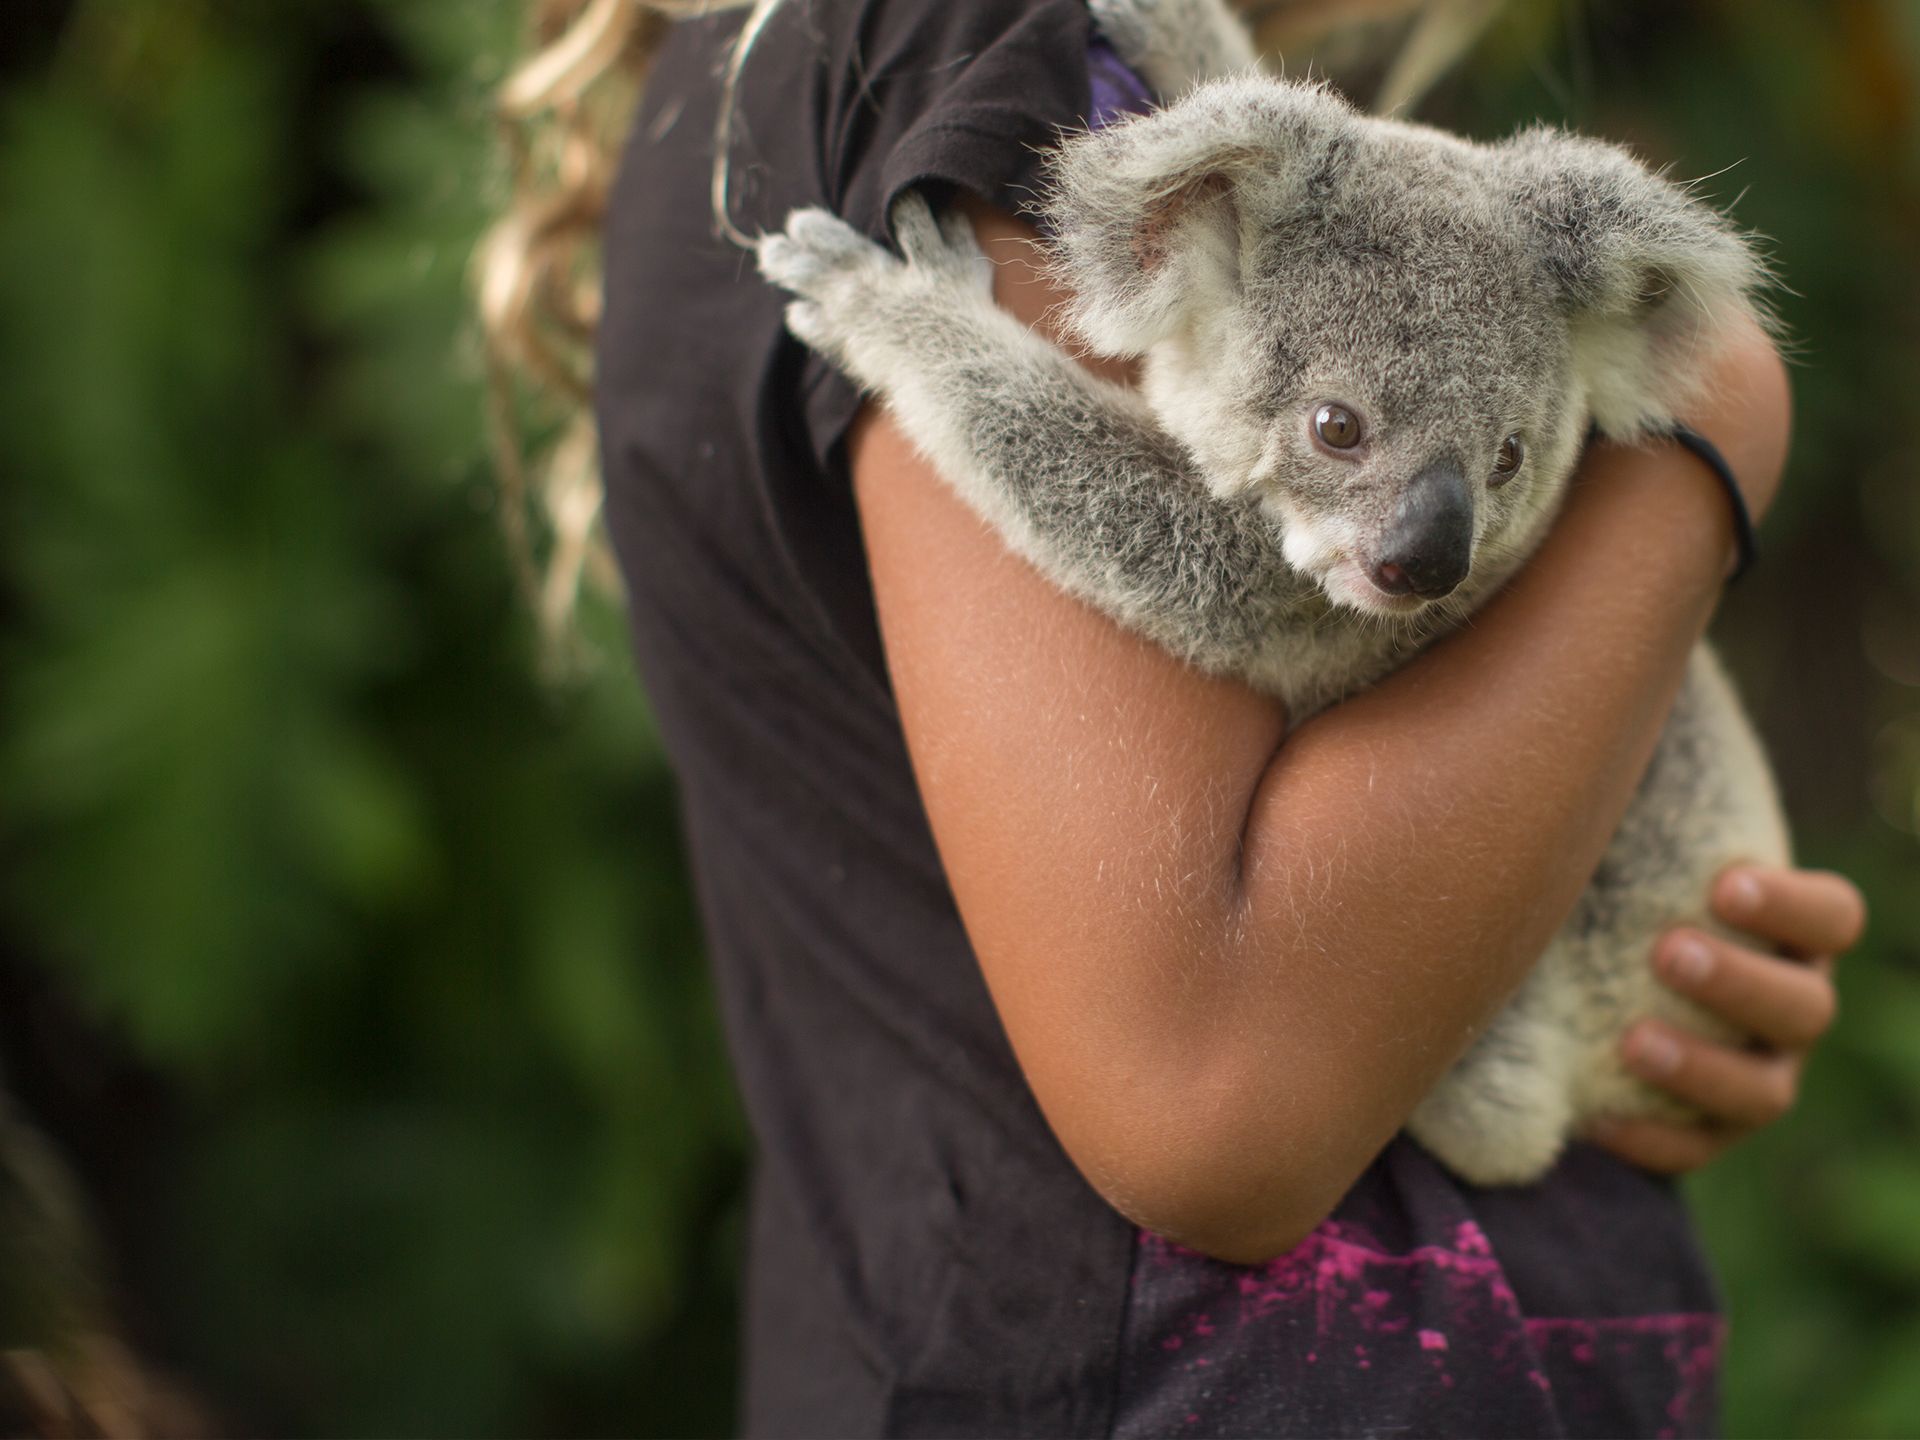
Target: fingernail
[
  {"x": 1653, "y": 1053},
  {"x": 1689, "y": 960},
  {"x": 1739, "y": 894}
]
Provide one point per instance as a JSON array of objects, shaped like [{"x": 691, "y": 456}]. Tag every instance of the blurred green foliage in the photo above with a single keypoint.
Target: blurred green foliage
[
  {"x": 285, "y": 804},
  {"x": 404, "y": 936}
]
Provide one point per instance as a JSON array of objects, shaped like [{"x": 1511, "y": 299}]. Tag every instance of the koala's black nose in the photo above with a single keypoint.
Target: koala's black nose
[{"x": 1428, "y": 545}]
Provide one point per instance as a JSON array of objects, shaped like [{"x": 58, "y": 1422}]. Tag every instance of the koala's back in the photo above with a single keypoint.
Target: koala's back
[
  {"x": 1548, "y": 1063},
  {"x": 1707, "y": 800}
]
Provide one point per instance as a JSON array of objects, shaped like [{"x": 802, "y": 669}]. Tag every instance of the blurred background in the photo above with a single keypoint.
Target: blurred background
[{"x": 360, "y": 1071}]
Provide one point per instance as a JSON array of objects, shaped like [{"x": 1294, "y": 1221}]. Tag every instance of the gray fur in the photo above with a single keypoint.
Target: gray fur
[
  {"x": 1264, "y": 250},
  {"x": 1176, "y": 44}
]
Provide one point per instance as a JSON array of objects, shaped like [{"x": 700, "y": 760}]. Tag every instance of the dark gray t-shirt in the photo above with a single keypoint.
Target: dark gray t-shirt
[{"x": 924, "y": 1259}]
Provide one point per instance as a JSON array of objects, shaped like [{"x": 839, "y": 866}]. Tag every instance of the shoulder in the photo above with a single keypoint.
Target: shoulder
[{"x": 907, "y": 93}]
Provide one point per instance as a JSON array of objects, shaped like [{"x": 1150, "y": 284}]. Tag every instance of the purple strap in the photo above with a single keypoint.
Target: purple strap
[{"x": 1114, "y": 90}]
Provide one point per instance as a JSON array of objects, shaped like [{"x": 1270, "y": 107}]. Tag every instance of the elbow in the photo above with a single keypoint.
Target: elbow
[
  {"x": 1219, "y": 1134},
  {"x": 1236, "y": 1186},
  {"x": 1249, "y": 1228},
  {"x": 1244, "y": 1245}
]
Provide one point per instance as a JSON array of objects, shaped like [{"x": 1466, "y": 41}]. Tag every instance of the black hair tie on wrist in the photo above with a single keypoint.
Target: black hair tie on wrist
[{"x": 1746, "y": 543}]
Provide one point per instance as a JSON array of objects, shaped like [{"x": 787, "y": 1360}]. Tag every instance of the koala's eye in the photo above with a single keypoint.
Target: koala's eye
[
  {"x": 1337, "y": 426},
  {"x": 1512, "y": 452}
]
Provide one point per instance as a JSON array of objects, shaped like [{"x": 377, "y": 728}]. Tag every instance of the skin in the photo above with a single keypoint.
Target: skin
[{"x": 1230, "y": 967}]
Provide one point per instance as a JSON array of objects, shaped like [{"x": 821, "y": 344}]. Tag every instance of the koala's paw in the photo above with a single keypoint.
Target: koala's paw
[
  {"x": 854, "y": 301},
  {"x": 833, "y": 272},
  {"x": 941, "y": 250}
]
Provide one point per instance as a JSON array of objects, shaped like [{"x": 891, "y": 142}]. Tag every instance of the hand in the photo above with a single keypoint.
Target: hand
[{"x": 1780, "y": 992}]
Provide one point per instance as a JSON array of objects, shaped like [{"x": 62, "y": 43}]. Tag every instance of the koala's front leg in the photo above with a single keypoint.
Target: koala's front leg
[{"x": 1070, "y": 469}]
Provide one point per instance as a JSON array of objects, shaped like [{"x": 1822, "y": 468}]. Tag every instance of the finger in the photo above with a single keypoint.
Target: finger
[
  {"x": 1805, "y": 912},
  {"x": 1782, "y": 1003},
  {"x": 1730, "y": 1087},
  {"x": 1660, "y": 1147}
]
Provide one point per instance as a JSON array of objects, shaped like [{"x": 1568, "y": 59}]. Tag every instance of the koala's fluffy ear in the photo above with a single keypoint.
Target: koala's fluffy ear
[
  {"x": 1649, "y": 274},
  {"x": 1149, "y": 216}
]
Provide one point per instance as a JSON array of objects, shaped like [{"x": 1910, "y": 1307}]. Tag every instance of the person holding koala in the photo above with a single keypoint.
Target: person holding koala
[
  {"x": 1079, "y": 997},
  {"x": 1370, "y": 352}
]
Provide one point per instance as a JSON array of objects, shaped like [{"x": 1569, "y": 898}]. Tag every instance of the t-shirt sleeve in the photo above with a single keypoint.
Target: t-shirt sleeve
[
  {"x": 965, "y": 97},
  {"x": 937, "y": 95}
]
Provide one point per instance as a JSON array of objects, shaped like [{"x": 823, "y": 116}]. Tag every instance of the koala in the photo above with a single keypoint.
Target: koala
[{"x": 1370, "y": 353}]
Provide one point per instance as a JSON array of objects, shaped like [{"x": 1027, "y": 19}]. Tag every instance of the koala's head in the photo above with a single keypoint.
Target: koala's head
[{"x": 1392, "y": 338}]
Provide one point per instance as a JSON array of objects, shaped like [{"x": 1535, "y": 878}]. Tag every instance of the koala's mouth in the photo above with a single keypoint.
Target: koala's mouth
[
  {"x": 1327, "y": 553},
  {"x": 1348, "y": 583}
]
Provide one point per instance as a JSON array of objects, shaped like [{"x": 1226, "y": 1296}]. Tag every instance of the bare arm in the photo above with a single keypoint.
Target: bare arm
[{"x": 1230, "y": 968}]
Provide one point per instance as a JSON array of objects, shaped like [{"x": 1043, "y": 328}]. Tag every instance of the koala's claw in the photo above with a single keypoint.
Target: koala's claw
[{"x": 943, "y": 245}]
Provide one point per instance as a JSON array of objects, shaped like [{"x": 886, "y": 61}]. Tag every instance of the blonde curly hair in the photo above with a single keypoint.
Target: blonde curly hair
[{"x": 563, "y": 112}]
